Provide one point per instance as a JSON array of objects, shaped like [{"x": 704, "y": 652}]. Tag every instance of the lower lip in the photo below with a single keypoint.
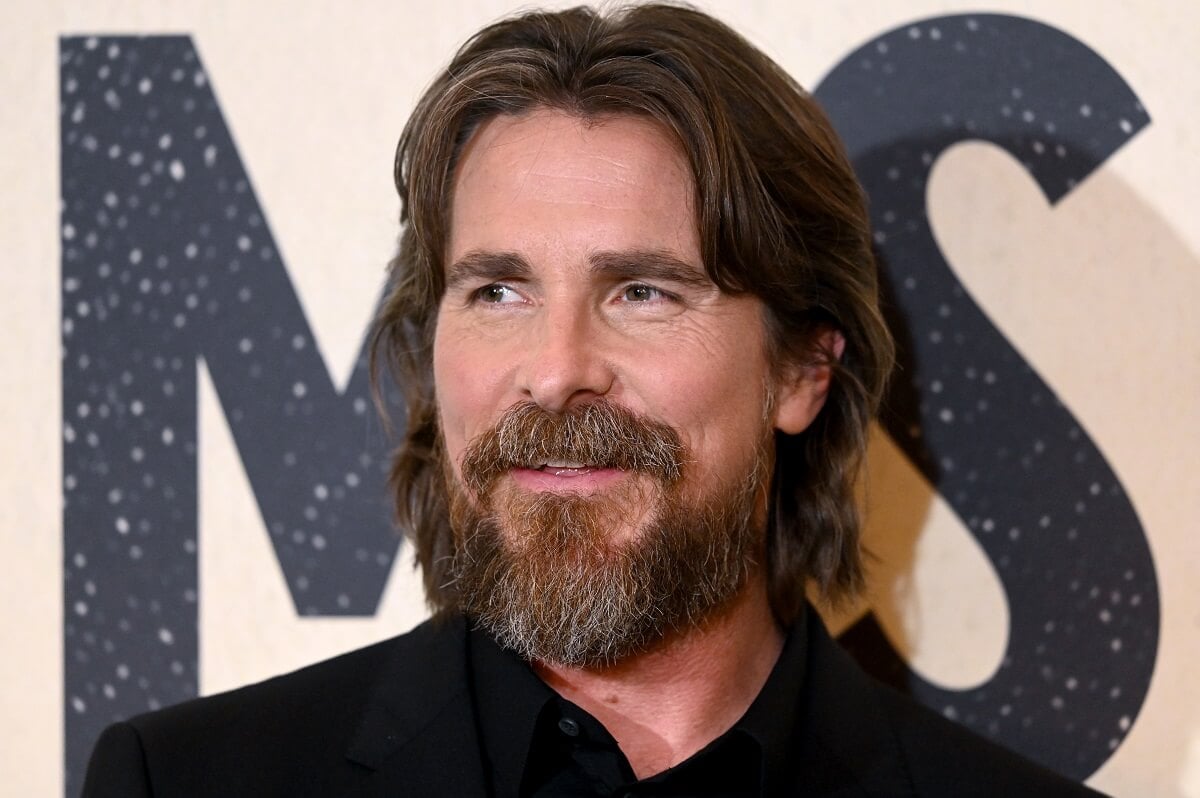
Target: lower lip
[{"x": 567, "y": 480}]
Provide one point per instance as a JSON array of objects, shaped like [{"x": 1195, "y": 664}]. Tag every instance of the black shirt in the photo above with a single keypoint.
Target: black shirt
[
  {"x": 400, "y": 718},
  {"x": 537, "y": 743}
]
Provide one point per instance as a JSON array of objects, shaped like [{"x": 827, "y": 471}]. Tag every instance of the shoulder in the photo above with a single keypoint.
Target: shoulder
[
  {"x": 893, "y": 745},
  {"x": 945, "y": 758},
  {"x": 323, "y": 690},
  {"x": 298, "y": 724}
]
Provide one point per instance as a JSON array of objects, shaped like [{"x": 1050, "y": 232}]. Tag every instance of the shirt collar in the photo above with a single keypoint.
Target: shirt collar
[
  {"x": 771, "y": 720},
  {"x": 510, "y": 697}
]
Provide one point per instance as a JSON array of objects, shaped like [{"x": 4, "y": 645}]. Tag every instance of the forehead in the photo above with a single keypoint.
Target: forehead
[
  {"x": 619, "y": 176},
  {"x": 548, "y": 139}
]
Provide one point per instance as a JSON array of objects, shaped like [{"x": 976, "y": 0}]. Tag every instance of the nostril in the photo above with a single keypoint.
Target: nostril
[{"x": 564, "y": 372}]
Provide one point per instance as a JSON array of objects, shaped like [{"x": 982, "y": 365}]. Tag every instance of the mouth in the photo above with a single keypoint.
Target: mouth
[
  {"x": 563, "y": 468},
  {"x": 566, "y": 475}
]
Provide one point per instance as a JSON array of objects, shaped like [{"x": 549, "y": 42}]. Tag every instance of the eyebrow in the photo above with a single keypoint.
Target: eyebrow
[
  {"x": 487, "y": 267},
  {"x": 651, "y": 264},
  {"x": 643, "y": 264}
]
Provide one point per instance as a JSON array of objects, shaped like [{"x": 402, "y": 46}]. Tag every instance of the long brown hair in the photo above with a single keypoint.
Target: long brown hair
[{"x": 779, "y": 212}]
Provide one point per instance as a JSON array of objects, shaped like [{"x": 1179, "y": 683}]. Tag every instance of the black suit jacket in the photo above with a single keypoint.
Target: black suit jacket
[{"x": 397, "y": 719}]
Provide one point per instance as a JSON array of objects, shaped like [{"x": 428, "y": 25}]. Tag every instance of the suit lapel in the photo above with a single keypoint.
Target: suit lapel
[
  {"x": 417, "y": 734},
  {"x": 847, "y": 744}
]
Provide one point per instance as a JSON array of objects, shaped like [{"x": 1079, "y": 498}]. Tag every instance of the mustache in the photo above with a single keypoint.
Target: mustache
[{"x": 600, "y": 434}]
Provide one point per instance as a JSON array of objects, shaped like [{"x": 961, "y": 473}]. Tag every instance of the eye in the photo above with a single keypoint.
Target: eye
[
  {"x": 495, "y": 294},
  {"x": 639, "y": 292}
]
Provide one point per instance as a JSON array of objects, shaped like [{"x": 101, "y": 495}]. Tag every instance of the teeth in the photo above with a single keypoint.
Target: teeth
[{"x": 562, "y": 464}]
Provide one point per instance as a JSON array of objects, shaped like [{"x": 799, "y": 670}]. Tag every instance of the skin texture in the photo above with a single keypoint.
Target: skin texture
[{"x": 574, "y": 272}]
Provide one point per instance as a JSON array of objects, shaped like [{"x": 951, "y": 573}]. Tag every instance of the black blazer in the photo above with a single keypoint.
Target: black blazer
[{"x": 397, "y": 719}]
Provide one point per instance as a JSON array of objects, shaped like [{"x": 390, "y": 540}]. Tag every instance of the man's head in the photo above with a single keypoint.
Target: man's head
[{"x": 632, "y": 228}]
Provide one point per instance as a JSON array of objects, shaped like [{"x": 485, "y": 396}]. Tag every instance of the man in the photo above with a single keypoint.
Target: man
[{"x": 635, "y": 315}]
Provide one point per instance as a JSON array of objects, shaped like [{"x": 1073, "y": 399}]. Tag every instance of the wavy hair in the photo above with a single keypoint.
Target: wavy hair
[{"x": 779, "y": 213}]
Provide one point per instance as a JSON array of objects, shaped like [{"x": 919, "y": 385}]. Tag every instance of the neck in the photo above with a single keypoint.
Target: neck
[{"x": 666, "y": 704}]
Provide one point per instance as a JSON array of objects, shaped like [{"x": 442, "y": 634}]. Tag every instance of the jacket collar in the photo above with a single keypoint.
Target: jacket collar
[
  {"x": 846, "y": 739},
  {"x": 418, "y": 730}
]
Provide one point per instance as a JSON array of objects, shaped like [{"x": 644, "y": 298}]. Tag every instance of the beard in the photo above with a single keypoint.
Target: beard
[{"x": 551, "y": 576}]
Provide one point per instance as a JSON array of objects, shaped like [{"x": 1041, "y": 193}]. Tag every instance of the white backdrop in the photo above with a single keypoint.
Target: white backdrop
[{"x": 1097, "y": 293}]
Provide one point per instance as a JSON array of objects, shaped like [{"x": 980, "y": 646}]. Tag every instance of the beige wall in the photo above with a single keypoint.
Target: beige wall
[{"x": 1096, "y": 293}]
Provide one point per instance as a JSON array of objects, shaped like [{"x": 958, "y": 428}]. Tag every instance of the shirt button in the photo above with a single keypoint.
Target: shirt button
[{"x": 568, "y": 727}]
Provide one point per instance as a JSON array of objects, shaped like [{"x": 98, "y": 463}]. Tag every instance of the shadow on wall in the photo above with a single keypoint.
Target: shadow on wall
[
  {"x": 1080, "y": 637},
  {"x": 969, "y": 411}
]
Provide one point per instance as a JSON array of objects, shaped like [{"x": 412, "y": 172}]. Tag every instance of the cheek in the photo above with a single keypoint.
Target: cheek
[
  {"x": 473, "y": 377},
  {"x": 456, "y": 378},
  {"x": 717, "y": 404}
]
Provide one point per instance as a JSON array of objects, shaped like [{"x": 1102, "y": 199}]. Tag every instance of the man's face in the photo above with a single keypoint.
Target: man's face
[{"x": 574, "y": 278}]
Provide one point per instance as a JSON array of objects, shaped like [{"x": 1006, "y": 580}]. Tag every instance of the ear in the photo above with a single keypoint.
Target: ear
[{"x": 801, "y": 392}]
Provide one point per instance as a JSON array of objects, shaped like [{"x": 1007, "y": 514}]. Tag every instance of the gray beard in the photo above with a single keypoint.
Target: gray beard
[{"x": 542, "y": 574}]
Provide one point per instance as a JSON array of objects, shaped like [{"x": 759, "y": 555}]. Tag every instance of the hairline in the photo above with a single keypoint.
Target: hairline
[{"x": 779, "y": 352}]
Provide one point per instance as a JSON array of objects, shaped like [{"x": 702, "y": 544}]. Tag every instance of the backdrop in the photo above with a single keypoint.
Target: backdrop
[{"x": 197, "y": 210}]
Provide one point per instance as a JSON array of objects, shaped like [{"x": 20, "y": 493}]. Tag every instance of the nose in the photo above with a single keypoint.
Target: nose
[{"x": 565, "y": 363}]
